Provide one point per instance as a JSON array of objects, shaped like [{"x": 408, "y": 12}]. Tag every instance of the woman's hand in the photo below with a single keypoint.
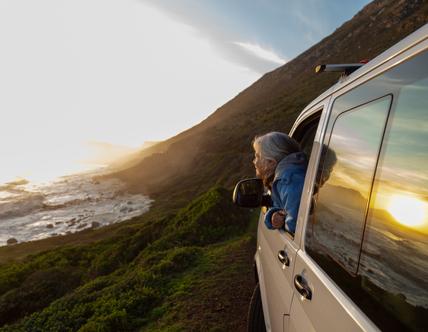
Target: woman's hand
[{"x": 278, "y": 219}]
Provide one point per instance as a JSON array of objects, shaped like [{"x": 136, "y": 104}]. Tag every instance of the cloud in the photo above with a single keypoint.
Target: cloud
[
  {"x": 230, "y": 43},
  {"x": 262, "y": 53},
  {"x": 251, "y": 56}
]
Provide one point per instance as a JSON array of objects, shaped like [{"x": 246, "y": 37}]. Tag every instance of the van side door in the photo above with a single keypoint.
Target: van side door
[{"x": 358, "y": 269}]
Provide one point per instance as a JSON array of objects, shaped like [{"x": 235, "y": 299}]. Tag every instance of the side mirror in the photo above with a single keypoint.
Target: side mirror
[{"x": 250, "y": 193}]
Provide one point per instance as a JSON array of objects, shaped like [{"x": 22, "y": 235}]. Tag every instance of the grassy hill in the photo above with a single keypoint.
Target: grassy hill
[{"x": 187, "y": 263}]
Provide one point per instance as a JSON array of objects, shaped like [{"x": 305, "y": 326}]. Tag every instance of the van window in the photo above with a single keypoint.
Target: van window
[
  {"x": 347, "y": 174},
  {"x": 394, "y": 260}
]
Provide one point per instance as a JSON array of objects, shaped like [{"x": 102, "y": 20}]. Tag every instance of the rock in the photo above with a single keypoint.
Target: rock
[
  {"x": 71, "y": 222},
  {"x": 95, "y": 224},
  {"x": 81, "y": 225},
  {"x": 12, "y": 240},
  {"x": 49, "y": 226}
]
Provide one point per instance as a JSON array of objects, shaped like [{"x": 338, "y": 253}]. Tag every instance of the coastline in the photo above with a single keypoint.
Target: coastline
[{"x": 72, "y": 205}]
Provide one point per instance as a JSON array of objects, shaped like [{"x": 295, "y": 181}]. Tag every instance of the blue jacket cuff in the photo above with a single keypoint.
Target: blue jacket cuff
[{"x": 268, "y": 217}]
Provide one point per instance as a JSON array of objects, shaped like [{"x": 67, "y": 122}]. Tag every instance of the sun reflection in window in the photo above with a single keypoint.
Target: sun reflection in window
[{"x": 408, "y": 210}]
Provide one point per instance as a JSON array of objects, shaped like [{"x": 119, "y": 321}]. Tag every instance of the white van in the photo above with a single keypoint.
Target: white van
[{"x": 359, "y": 258}]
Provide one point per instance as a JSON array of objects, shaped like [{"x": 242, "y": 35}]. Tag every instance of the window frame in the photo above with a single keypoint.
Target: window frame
[
  {"x": 319, "y": 112},
  {"x": 298, "y": 133}
]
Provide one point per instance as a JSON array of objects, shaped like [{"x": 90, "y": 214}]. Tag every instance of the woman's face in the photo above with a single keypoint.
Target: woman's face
[{"x": 264, "y": 166}]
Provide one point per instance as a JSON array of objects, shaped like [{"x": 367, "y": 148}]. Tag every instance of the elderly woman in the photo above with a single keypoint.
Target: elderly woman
[{"x": 281, "y": 164}]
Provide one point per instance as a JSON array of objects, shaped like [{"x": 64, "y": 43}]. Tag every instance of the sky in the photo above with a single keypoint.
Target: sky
[{"x": 85, "y": 81}]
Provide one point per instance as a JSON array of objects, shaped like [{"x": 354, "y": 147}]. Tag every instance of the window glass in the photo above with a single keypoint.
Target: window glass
[
  {"x": 306, "y": 131},
  {"x": 348, "y": 168},
  {"x": 394, "y": 260},
  {"x": 307, "y": 141}
]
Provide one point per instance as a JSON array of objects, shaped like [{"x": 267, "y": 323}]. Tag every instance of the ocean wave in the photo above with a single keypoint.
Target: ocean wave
[{"x": 21, "y": 205}]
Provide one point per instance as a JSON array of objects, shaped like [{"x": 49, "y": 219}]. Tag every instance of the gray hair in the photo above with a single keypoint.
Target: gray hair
[{"x": 275, "y": 145}]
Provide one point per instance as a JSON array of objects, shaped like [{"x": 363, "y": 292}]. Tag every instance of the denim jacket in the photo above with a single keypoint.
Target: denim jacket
[{"x": 287, "y": 187}]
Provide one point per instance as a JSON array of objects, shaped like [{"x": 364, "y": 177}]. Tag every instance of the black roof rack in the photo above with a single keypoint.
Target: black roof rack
[{"x": 345, "y": 69}]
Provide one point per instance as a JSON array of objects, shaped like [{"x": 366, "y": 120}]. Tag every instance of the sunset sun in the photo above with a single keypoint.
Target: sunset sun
[{"x": 407, "y": 210}]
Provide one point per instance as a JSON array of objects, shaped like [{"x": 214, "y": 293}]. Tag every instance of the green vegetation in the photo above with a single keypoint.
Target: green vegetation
[{"x": 144, "y": 276}]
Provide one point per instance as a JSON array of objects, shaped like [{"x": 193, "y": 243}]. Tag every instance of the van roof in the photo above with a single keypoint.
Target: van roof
[{"x": 409, "y": 41}]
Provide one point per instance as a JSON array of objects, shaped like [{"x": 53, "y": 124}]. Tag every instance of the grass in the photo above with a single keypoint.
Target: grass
[
  {"x": 194, "y": 264},
  {"x": 197, "y": 303}
]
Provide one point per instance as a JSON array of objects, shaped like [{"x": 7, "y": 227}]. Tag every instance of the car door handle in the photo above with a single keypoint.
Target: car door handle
[
  {"x": 302, "y": 288},
  {"x": 283, "y": 258}
]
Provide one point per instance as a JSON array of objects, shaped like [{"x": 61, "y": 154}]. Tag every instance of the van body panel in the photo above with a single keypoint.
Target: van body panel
[
  {"x": 329, "y": 309},
  {"x": 262, "y": 286},
  {"x": 277, "y": 277}
]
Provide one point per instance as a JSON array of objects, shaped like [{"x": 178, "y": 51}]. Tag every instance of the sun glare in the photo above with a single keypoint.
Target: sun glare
[{"x": 407, "y": 210}]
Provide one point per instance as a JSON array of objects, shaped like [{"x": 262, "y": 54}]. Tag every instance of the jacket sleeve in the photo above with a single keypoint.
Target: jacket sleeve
[{"x": 290, "y": 192}]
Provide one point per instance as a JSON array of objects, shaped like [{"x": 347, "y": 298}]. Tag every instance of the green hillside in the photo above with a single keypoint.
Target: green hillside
[
  {"x": 186, "y": 265},
  {"x": 142, "y": 276}
]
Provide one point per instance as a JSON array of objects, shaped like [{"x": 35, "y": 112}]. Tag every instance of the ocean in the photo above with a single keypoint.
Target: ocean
[{"x": 67, "y": 205}]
